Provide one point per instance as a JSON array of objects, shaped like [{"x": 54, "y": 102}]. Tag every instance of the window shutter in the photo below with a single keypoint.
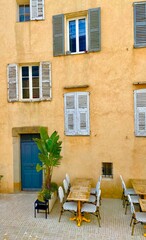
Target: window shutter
[
  {"x": 94, "y": 30},
  {"x": 70, "y": 113},
  {"x": 139, "y": 24},
  {"x": 12, "y": 75},
  {"x": 58, "y": 35},
  {"x": 140, "y": 112},
  {"x": 36, "y": 9},
  {"x": 45, "y": 80},
  {"x": 83, "y": 113}
]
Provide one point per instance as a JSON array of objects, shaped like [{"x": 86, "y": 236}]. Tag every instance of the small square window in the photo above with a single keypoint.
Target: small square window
[
  {"x": 24, "y": 13},
  {"x": 107, "y": 170}
]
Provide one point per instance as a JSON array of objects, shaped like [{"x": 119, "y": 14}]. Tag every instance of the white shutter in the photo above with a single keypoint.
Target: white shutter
[
  {"x": 45, "y": 80},
  {"x": 70, "y": 113},
  {"x": 12, "y": 76},
  {"x": 140, "y": 112},
  {"x": 83, "y": 113},
  {"x": 36, "y": 9}
]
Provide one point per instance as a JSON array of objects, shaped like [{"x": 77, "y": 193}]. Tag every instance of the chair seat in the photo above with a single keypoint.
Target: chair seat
[
  {"x": 140, "y": 216},
  {"x": 71, "y": 206},
  {"x": 130, "y": 191},
  {"x": 88, "y": 207},
  {"x": 92, "y": 199},
  {"x": 135, "y": 199}
]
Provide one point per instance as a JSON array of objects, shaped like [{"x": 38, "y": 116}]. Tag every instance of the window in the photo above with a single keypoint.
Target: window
[
  {"x": 32, "y": 11},
  {"x": 24, "y": 13},
  {"x": 77, "y": 35},
  {"x": 77, "y": 113},
  {"x": 140, "y": 24},
  {"x": 29, "y": 82},
  {"x": 140, "y": 112},
  {"x": 79, "y": 29},
  {"x": 107, "y": 170}
]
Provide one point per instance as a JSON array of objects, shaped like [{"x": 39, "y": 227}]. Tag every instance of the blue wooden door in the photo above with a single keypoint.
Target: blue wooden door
[{"x": 31, "y": 179}]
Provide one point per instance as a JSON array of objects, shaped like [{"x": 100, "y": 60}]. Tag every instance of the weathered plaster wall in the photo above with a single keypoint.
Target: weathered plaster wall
[{"x": 109, "y": 73}]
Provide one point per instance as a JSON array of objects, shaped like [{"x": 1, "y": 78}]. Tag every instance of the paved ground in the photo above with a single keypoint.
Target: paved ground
[{"x": 17, "y": 222}]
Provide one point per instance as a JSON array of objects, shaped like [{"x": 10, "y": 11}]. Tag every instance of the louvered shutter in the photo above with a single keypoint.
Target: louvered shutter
[
  {"x": 140, "y": 112},
  {"x": 12, "y": 75},
  {"x": 70, "y": 113},
  {"x": 139, "y": 24},
  {"x": 45, "y": 80},
  {"x": 94, "y": 30},
  {"x": 58, "y": 35},
  {"x": 36, "y": 9},
  {"x": 83, "y": 113}
]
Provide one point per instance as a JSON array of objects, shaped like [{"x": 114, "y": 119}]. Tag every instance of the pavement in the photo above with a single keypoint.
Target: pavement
[{"x": 17, "y": 221}]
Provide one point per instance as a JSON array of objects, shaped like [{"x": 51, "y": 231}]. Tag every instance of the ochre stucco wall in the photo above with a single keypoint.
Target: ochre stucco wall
[{"x": 109, "y": 73}]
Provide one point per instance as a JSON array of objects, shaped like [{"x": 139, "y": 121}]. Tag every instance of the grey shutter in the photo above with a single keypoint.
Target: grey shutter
[
  {"x": 36, "y": 9},
  {"x": 139, "y": 24},
  {"x": 70, "y": 113},
  {"x": 45, "y": 80},
  {"x": 83, "y": 113},
  {"x": 140, "y": 112},
  {"x": 94, "y": 30},
  {"x": 58, "y": 35},
  {"x": 12, "y": 76}
]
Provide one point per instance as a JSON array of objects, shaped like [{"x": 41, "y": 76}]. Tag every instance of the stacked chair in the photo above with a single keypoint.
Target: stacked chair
[
  {"x": 127, "y": 191},
  {"x": 66, "y": 206},
  {"x": 137, "y": 217}
]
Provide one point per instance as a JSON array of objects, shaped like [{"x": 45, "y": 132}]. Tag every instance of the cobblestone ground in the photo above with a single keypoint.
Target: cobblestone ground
[{"x": 17, "y": 222}]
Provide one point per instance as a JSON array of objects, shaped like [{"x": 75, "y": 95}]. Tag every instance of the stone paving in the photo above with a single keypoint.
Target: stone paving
[{"x": 17, "y": 222}]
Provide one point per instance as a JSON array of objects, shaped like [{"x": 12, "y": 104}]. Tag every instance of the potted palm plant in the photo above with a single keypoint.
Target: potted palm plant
[{"x": 50, "y": 157}]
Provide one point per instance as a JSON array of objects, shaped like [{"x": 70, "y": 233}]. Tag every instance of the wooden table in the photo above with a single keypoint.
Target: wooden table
[
  {"x": 80, "y": 192},
  {"x": 139, "y": 186},
  {"x": 142, "y": 203}
]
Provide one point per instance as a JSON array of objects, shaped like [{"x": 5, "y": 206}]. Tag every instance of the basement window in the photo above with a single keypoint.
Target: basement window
[{"x": 107, "y": 170}]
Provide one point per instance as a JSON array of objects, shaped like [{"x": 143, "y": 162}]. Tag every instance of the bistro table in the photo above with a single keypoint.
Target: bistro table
[
  {"x": 80, "y": 192},
  {"x": 142, "y": 203},
  {"x": 139, "y": 186}
]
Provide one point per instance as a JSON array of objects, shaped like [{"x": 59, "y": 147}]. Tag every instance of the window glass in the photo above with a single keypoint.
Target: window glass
[
  {"x": 25, "y": 82},
  {"x": 107, "y": 170},
  {"x": 82, "y": 35},
  {"x": 35, "y": 81},
  {"x": 24, "y": 13},
  {"x": 72, "y": 36}
]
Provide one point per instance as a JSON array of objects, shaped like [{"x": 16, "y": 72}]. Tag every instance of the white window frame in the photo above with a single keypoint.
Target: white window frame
[
  {"x": 30, "y": 84},
  {"x": 77, "y": 35},
  {"x": 76, "y": 115}
]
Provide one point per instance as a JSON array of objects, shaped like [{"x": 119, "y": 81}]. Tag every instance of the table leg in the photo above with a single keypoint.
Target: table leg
[{"x": 79, "y": 218}]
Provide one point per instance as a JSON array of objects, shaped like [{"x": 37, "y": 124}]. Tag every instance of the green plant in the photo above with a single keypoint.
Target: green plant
[{"x": 50, "y": 149}]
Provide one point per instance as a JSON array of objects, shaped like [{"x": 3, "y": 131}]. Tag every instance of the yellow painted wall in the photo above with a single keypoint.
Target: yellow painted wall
[{"x": 109, "y": 73}]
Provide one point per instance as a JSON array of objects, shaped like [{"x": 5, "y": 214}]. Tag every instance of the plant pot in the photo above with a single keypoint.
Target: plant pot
[{"x": 52, "y": 200}]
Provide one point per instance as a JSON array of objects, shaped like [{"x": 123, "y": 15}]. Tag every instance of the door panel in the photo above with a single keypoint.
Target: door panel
[{"x": 31, "y": 179}]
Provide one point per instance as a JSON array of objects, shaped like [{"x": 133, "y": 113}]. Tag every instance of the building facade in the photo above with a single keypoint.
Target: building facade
[{"x": 79, "y": 68}]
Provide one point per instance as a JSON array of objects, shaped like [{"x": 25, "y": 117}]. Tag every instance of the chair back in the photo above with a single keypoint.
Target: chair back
[
  {"x": 131, "y": 205},
  {"x": 65, "y": 185},
  {"x": 100, "y": 178},
  {"x": 67, "y": 178},
  {"x": 61, "y": 194},
  {"x": 97, "y": 187},
  {"x": 98, "y": 198}
]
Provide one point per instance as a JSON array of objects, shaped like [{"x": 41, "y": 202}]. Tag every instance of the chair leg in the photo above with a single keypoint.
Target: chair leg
[
  {"x": 35, "y": 213},
  {"x": 133, "y": 225},
  {"x": 126, "y": 205},
  {"x": 46, "y": 213},
  {"x": 60, "y": 215}
]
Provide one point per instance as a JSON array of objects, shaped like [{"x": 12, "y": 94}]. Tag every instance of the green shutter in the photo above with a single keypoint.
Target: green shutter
[
  {"x": 139, "y": 24},
  {"x": 94, "y": 30},
  {"x": 36, "y": 9},
  {"x": 140, "y": 112},
  {"x": 45, "y": 80},
  {"x": 12, "y": 76},
  {"x": 58, "y": 35}
]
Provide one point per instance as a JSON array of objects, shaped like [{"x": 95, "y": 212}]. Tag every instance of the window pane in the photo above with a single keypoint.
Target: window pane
[
  {"x": 25, "y": 82},
  {"x": 36, "y": 93},
  {"x": 83, "y": 121},
  {"x": 82, "y": 35},
  {"x": 72, "y": 35},
  {"x": 24, "y": 13},
  {"x": 21, "y": 9}
]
